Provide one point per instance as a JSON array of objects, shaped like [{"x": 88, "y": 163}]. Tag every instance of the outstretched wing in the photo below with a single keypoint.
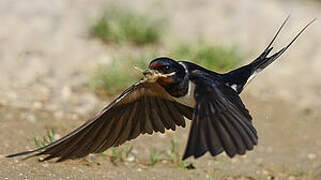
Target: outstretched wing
[
  {"x": 220, "y": 121},
  {"x": 142, "y": 108}
]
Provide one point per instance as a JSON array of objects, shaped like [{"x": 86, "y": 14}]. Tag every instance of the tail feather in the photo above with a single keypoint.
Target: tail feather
[
  {"x": 268, "y": 49},
  {"x": 263, "y": 61},
  {"x": 239, "y": 78},
  {"x": 24, "y": 153}
]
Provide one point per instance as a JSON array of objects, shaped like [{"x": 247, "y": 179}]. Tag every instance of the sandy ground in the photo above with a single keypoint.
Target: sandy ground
[{"x": 46, "y": 57}]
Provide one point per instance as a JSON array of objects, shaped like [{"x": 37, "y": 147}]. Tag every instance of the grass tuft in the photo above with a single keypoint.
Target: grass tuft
[
  {"x": 175, "y": 157},
  {"x": 117, "y": 76},
  {"x": 118, "y": 154},
  {"x": 119, "y": 25},
  {"x": 217, "y": 58},
  {"x": 154, "y": 157},
  {"x": 48, "y": 139}
]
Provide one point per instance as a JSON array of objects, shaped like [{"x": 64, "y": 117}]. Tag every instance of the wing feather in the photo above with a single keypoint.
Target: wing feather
[
  {"x": 148, "y": 127},
  {"x": 178, "y": 119},
  {"x": 142, "y": 108},
  {"x": 220, "y": 121},
  {"x": 224, "y": 136},
  {"x": 192, "y": 138},
  {"x": 165, "y": 115},
  {"x": 202, "y": 138},
  {"x": 213, "y": 141},
  {"x": 156, "y": 120},
  {"x": 139, "y": 115},
  {"x": 234, "y": 133},
  {"x": 127, "y": 128}
]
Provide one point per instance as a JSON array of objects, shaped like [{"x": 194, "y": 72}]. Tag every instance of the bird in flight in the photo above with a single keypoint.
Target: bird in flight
[{"x": 170, "y": 92}]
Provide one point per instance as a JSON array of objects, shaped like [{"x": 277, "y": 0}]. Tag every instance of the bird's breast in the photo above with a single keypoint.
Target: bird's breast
[{"x": 188, "y": 98}]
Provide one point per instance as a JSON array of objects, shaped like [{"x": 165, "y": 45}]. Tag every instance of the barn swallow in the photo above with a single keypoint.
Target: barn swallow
[{"x": 170, "y": 92}]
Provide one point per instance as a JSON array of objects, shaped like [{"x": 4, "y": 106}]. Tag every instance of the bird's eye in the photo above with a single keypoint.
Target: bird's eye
[{"x": 165, "y": 68}]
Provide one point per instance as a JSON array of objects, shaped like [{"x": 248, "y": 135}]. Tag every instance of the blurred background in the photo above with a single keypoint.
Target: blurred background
[{"x": 61, "y": 61}]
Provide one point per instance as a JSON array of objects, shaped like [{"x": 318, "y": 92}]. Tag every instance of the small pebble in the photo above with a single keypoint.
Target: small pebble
[
  {"x": 37, "y": 105},
  {"x": 131, "y": 158},
  {"x": 269, "y": 149},
  {"x": 31, "y": 118},
  {"x": 164, "y": 161},
  {"x": 291, "y": 178},
  {"x": 258, "y": 160},
  {"x": 234, "y": 160},
  {"x": 59, "y": 114},
  {"x": 271, "y": 178},
  {"x": 162, "y": 135},
  {"x": 134, "y": 152},
  {"x": 66, "y": 92},
  {"x": 209, "y": 163},
  {"x": 244, "y": 156},
  {"x": 74, "y": 117},
  {"x": 3, "y": 102},
  {"x": 265, "y": 172},
  {"x": 312, "y": 156},
  {"x": 57, "y": 136}
]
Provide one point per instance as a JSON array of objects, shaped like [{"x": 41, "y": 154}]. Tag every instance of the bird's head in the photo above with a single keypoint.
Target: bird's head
[{"x": 173, "y": 72}]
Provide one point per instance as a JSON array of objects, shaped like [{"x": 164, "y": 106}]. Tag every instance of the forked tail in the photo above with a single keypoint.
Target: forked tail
[{"x": 239, "y": 78}]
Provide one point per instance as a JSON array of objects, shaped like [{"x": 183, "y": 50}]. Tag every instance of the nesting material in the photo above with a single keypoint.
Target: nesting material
[{"x": 151, "y": 76}]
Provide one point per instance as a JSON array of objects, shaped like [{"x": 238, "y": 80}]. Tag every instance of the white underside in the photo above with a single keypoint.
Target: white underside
[
  {"x": 188, "y": 99},
  {"x": 251, "y": 77}
]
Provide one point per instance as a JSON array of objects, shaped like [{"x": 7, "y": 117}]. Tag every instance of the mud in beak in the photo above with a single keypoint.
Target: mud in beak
[
  {"x": 151, "y": 75},
  {"x": 148, "y": 72}
]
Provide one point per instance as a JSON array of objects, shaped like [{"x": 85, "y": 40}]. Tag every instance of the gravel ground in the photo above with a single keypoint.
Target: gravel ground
[{"x": 46, "y": 57}]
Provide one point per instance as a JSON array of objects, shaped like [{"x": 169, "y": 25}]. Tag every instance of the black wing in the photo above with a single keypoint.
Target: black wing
[
  {"x": 220, "y": 121},
  {"x": 142, "y": 108}
]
